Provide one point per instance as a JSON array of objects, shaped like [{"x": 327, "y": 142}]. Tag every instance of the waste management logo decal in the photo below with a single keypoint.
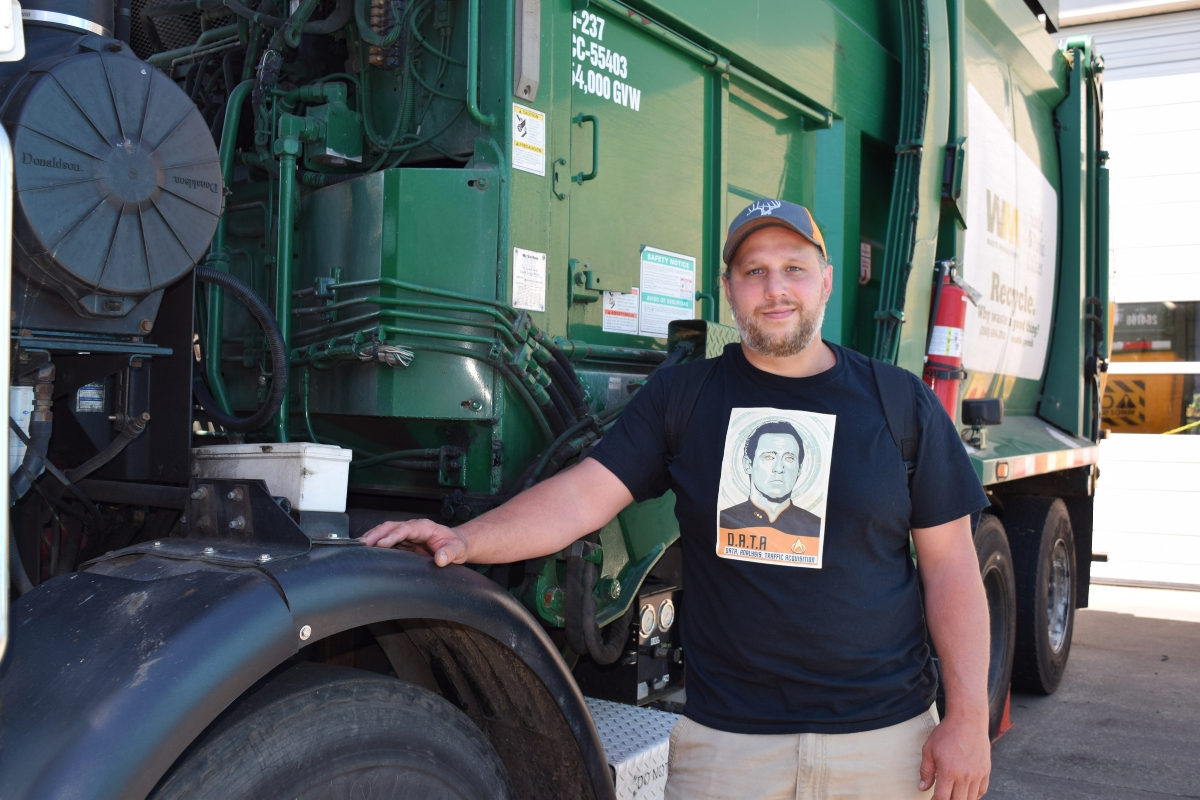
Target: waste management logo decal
[{"x": 1011, "y": 245}]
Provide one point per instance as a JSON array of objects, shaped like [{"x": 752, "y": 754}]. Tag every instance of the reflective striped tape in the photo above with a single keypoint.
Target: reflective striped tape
[{"x": 1005, "y": 469}]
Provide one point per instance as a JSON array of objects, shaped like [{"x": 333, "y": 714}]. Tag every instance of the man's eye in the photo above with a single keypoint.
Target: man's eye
[
  {"x": 789, "y": 458},
  {"x": 768, "y": 457}
]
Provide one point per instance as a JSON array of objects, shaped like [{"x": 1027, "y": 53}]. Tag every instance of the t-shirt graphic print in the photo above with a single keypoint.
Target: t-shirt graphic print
[{"x": 774, "y": 486}]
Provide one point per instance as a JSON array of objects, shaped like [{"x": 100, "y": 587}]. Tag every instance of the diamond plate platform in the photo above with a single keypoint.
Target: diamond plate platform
[{"x": 635, "y": 744}]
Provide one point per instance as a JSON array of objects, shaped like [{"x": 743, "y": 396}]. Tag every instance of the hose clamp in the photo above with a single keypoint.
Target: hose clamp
[{"x": 55, "y": 18}]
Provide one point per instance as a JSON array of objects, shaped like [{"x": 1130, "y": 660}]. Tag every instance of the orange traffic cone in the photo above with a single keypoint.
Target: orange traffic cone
[{"x": 1006, "y": 723}]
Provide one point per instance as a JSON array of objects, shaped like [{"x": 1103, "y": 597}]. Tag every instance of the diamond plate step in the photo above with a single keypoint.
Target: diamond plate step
[{"x": 635, "y": 744}]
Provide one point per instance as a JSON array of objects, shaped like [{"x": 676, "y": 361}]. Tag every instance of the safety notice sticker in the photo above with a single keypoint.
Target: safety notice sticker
[
  {"x": 668, "y": 290},
  {"x": 529, "y": 280},
  {"x": 621, "y": 312},
  {"x": 529, "y": 140}
]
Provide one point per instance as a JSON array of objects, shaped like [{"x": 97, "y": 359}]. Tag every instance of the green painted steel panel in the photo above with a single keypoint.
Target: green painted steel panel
[
  {"x": 842, "y": 59},
  {"x": 650, "y": 186},
  {"x": 428, "y": 226}
]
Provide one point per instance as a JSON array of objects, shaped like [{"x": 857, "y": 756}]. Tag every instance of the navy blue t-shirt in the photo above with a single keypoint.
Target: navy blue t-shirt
[{"x": 802, "y": 611}]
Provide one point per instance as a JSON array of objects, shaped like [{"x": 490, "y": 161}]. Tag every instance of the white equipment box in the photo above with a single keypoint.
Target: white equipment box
[
  {"x": 635, "y": 743},
  {"x": 313, "y": 477}
]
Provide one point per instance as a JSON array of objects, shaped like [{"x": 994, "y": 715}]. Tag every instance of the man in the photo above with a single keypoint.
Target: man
[
  {"x": 772, "y": 458},
  {"x": 807, "y": 677}
]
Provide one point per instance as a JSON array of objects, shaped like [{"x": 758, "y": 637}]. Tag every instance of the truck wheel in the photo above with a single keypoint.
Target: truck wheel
[
  {"x": 1043, "y": 548},
  {"x": 318, "y": 731},
  {"x": 1000, "y": 585}
]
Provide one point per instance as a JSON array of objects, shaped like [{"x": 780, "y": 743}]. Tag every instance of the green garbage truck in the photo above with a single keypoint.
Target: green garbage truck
[{"x": 281, "y": 271}]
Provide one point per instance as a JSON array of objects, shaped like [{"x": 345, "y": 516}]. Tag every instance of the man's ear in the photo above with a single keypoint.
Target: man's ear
[
  {"x": 747, "y": 465},
  {"x": 827, "y": 280}
]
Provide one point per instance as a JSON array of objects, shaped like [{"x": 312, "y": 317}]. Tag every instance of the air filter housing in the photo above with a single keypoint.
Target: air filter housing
[{"x": 118, "y": 185}]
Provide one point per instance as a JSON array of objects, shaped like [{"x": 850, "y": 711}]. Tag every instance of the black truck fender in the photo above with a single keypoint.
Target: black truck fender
[{"x": 108, "y": 678}]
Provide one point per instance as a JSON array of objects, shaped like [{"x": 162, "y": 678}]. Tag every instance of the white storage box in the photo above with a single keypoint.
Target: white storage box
[{"x": 313, "y": 477}]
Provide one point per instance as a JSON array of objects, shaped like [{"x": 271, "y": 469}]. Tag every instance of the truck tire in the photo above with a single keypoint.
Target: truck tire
[
  {"x": 318, "y": 731},
  {"x": 1043, "y": 548},
  {"x": 1000, "y": 586}
]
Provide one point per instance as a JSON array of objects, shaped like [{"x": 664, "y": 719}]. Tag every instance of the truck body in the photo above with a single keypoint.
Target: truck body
[{"x": 445, "y": 241}]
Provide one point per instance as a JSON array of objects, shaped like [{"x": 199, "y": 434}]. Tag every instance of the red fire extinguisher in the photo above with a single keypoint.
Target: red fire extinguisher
[{"x": 943, "y": 359}]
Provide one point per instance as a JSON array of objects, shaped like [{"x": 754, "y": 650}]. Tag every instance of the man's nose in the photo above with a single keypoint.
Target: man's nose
[{"x": 775, "y": 286}]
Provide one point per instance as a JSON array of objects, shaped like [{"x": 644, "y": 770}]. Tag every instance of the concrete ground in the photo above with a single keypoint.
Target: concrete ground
[{"x": 1125, "y": 723}]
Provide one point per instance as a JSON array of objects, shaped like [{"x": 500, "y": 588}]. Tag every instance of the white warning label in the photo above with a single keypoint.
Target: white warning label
[
  {"x": 529, "y": 140},
  {"x": 529, "y": 280},
  {"x": 621, "y": 312}
]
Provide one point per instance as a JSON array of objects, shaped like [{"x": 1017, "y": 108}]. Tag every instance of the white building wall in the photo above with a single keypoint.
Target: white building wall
[{"x": 1147, "y": 513}]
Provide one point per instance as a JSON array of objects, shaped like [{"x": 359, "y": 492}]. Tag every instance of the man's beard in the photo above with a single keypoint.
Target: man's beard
[{"x": 783, "y": 344}]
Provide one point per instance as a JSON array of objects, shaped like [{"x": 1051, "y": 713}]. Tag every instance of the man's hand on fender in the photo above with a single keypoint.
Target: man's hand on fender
[
  {"x": 957, "y": 759},
  {"x": 446, "y": 545}
]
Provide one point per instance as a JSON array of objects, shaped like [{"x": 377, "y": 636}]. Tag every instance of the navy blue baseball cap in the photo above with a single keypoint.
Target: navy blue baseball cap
[{"x": 766, "y": 213}]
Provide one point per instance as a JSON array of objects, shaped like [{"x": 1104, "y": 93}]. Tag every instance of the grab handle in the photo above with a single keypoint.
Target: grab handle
[
  {"x": 591, "y": 176},
  {"x": 486, "y": 120}
]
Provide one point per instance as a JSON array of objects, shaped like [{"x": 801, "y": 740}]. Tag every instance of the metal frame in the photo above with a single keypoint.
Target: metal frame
[{"x": 6, "y": 202}]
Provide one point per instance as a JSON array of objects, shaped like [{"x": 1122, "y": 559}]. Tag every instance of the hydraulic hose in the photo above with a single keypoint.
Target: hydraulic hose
[
  {"x": 560, "y": 405},
  {"x": 35, "y": 458},
  {"x": 571, "y": 387},
  {"x": 583, "y": 634},
  {"x": 133, "y": 429},
  {"x": 279, "y": 357},
  {"x": 573, "y": 605},
  {"x": 58, "y": 475},
  {"x": 606, "y": 648},
  {"x": 331, "y": 24},
  {"x": 20, "y": 580}
]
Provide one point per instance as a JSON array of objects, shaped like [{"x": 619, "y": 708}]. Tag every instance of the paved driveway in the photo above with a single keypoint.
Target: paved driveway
[{"x": 1125, "y": 723}]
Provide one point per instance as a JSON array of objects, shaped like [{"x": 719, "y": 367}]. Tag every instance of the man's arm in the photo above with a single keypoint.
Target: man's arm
[
  {"x": 537, "y": 522},
  {"x": 958, "y": 754}
]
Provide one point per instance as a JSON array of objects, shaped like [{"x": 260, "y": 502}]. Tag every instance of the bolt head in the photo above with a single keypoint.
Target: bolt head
[
  {"x": 158, "y": 544},
  {"x": 264, "y": 558},
  {"x": 145, "y": 326},
  {"x": 331, "y": 536},
  {"x": 232, "y": 495},
  {"x": 305, "y": 632},
  {"x": 208, "y": 551},
  {"x": 200, "y": 493}
]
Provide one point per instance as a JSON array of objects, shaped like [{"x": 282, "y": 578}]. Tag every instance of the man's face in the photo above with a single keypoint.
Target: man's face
[
  {"x": 777, "y": 289},
  {"x": 776, "y": 465}
]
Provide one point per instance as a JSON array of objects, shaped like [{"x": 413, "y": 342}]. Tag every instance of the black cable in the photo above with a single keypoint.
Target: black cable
[
  {"x": 606, "y": 648},
  {"x": 37, "y": 444},
  {"x": 133, "y": 429},
  {"x": 279, "y": 357},
  {"x": 563, "y": 362},
  {"x": 573, "y": 605},
  {"x": 122, "y": 21},
  {"x": 28, "y": 474},
  {"x": 560, "y": 405},
  {"x": 557, "y": 423},
  {"x": 331, "y": 24}
]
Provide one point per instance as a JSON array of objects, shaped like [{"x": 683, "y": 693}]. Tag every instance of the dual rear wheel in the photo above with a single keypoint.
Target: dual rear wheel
[{"x": 1027, "y": 563}]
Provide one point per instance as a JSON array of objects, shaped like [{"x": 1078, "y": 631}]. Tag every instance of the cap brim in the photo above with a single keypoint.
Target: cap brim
[{"x": 750, "y": 226}]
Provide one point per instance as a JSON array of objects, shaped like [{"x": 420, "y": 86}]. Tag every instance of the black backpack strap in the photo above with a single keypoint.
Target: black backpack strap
[
  {"x": 682, "y": 395},
  {"x": 899, "y": 397}
]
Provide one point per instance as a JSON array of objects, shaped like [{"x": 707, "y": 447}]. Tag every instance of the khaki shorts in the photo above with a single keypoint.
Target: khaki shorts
[{"x": 885, "y": 763}]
